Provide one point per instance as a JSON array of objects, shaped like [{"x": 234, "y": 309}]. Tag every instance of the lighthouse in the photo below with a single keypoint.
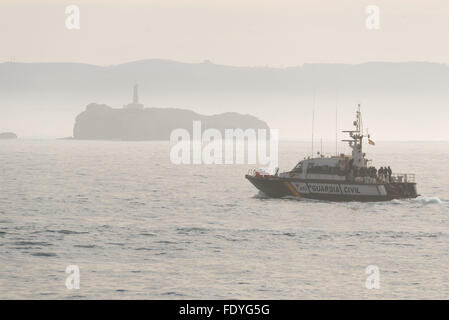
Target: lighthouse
[{"x": 135, "y": 104}]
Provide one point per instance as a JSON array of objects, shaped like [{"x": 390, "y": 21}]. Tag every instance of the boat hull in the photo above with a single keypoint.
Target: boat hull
[{"x": 277, "y": 187}]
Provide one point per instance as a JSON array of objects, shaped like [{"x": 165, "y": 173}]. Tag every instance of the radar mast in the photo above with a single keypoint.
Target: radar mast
[{"x": 356, "y": 141}]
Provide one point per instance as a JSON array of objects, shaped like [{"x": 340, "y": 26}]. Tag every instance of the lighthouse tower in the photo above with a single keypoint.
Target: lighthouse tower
[{"x": 135, "y": 104}]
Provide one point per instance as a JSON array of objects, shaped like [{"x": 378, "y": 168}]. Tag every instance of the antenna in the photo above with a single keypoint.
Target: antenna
[
  {"x": 336, "y": 130},
  {"x": 321, "y": 150},
  {"x": 360, "y": 121},
  {"x": 336, "y": 120},
  {"x": 313, "y": 124},
  {"x": 313, "y": 119}
]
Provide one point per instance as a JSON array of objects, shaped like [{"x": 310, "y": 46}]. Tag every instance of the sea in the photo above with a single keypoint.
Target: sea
[{"x": 136, "y": 226}]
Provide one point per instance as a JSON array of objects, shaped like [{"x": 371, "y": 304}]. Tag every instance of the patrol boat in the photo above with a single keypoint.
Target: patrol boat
[{"x": 337, "y": 178}]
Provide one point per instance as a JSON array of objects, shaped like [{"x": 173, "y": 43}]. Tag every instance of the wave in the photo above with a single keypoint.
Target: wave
[
  {"x": 429, "y": 200},
  {"x": 67, "y": 231},
  {"x": 44, "y": 254},
  {"x": 261, "y": 195}
]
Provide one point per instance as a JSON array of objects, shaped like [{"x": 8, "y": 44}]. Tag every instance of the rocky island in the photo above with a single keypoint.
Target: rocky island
[
  {"x": 102, "y": 122},
  {"x": 133, "y": 122},
  {"x": 7, "y": 135}
]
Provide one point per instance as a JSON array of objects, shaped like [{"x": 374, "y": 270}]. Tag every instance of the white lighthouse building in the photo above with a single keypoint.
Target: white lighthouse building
[{"x": 135, "y": 104}]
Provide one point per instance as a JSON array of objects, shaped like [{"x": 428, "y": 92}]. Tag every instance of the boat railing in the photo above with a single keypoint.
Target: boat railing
[
  {"x": 365, "y": 180},
  {"x": 403, "y": 177},
  {"x": 258, "y": 173}
]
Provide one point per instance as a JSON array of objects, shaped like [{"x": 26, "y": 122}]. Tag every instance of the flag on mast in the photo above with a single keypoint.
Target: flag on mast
[{"x": 371, "y": 142}]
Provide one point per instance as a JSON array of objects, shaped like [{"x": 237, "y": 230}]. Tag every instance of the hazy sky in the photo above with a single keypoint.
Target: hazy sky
[{"x": 232, "y": 32}]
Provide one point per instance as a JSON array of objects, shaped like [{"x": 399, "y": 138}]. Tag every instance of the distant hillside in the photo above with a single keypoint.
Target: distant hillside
[
  {"x": 101, "y": 122},
  {"x": 406, "y": 100},
  {"x": 161, "y": 76}
]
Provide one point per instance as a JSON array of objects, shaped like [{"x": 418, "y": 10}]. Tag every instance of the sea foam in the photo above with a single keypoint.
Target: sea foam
[{"x": 430, "y": 200}]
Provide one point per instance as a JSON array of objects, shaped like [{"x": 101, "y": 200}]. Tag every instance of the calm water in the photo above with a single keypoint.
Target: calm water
[{"x": 139, "y": 227}]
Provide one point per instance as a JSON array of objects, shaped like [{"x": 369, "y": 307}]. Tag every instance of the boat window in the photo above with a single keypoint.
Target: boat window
[
  {"x": 298, "y": 168},
  {"x": 325, "y": 169},
  {"x": 318, "y": 169}
]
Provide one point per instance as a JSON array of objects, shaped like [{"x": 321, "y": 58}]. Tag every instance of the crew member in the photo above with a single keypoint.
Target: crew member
[{"x": 381, "y": 173}]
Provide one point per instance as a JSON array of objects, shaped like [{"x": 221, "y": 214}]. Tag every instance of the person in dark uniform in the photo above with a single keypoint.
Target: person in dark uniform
[
  {"x": 389, "y": 172},
  {"x": 362, "y": 171},
  {"x": 381, "y": 173},
  {"x": 350, "y": 173}
]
